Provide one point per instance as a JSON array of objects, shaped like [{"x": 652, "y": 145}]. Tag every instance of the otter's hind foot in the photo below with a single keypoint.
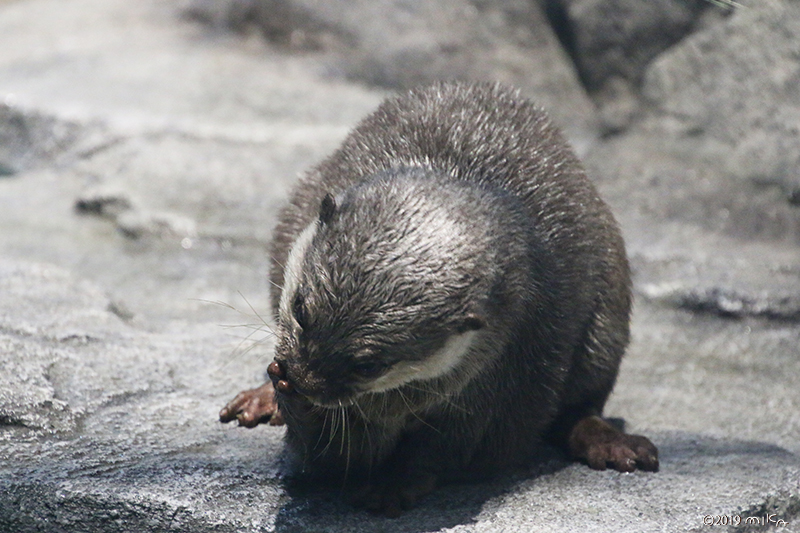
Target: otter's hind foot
[
  {"x": 253, "y": 407},
  {"x": 601, "y": 445}
]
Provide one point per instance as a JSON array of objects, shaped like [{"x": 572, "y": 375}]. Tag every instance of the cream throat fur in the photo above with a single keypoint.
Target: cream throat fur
[
  {"x": 294, "y": 270},
  {"x": 441, "y": 363}
]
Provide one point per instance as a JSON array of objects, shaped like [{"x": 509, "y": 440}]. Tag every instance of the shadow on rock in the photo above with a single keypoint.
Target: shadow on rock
[{"x": 311, "y": 507}]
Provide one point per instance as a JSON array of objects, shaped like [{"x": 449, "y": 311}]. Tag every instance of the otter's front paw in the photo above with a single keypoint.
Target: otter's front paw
[
  {"x": 601, "y": 445},
  {"x": 253, "y": 407},
  {"x": 396, "y": 494}
]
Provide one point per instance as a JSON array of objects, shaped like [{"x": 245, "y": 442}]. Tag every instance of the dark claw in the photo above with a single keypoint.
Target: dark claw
[
  {"x": 283, "y": 386},
  {"x": 277, "y": 375},
  {"x": 275, "y": 371}
]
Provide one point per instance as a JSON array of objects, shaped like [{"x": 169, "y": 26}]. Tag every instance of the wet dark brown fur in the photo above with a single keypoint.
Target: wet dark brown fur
[{"x": 528, "y": 258}]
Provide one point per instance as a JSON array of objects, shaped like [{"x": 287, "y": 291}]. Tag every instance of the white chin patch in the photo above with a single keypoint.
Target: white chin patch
[
  {"x": 438, "y": 364},
  {"x": 294, "y": 267}
]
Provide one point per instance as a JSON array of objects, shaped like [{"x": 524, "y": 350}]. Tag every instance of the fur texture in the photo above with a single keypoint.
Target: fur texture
[{"x": 461, "y": 294}]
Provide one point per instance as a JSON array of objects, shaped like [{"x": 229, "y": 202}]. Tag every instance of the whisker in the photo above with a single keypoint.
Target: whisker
[
  {"x": 237, "y": 352},
  {"x": 322, "y": 430},
  {"x": 327, "y": 446},
  {"x": 410, "y": 410},
  {"x": 262, "y": 326},
  {"x": 367, "y": 434},
  {"x": 253, "y": 309},
  {"x": 214, "y": 302},
  {"x": 341, "y": 410},
  {"x": 254, "y": 327},
  {"x": 277, "y": 262},
  {"x": 446, "y": 398},
  {"x": 226, "y": 305},
  {"x": 361, "y": 411},
  {"x": 347, "y": 432}
]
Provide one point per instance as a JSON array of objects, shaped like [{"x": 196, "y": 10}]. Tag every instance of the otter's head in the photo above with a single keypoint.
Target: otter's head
[{"x": 386, "y": 287}]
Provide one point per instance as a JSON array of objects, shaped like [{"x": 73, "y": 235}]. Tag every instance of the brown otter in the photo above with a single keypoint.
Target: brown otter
[{"x": 450, "y": 293}]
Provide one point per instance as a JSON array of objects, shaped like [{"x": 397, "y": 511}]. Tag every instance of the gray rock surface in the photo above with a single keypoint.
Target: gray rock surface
[
  {"x": 613, "y": 42},
  {"x": 143, "y": 156},
  {"x": 743, "y": 105},
  {"x": 399, "y": 44},
  {"x": 619, "y": 38}
]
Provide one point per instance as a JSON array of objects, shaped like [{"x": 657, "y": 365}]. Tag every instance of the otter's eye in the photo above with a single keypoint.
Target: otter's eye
[
  {"x": 370, "y": 369},
  {"x": 298, "y": 309}
]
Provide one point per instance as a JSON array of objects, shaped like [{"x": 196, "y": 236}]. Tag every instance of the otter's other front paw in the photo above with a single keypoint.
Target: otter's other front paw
[
  {"x": 396, "y": 494},
  {"x": 253, "y": 407},
  {"x": 602, "y": 445}
]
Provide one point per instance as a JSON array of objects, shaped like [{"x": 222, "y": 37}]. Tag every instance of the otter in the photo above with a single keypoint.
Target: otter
[{"x": 450, "y": 293}]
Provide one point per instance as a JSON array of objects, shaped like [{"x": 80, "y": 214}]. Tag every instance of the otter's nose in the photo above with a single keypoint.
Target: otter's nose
[{"x": 278, "y": 376}]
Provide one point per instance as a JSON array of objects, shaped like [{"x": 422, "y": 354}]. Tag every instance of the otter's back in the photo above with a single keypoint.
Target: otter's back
[{"x": 486, "y": 134}]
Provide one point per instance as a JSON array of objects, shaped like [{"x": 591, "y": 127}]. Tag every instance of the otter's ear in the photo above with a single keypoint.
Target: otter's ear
[
  {"x": 327, "y": 208},
  {"x": 471, "y": 323}
]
